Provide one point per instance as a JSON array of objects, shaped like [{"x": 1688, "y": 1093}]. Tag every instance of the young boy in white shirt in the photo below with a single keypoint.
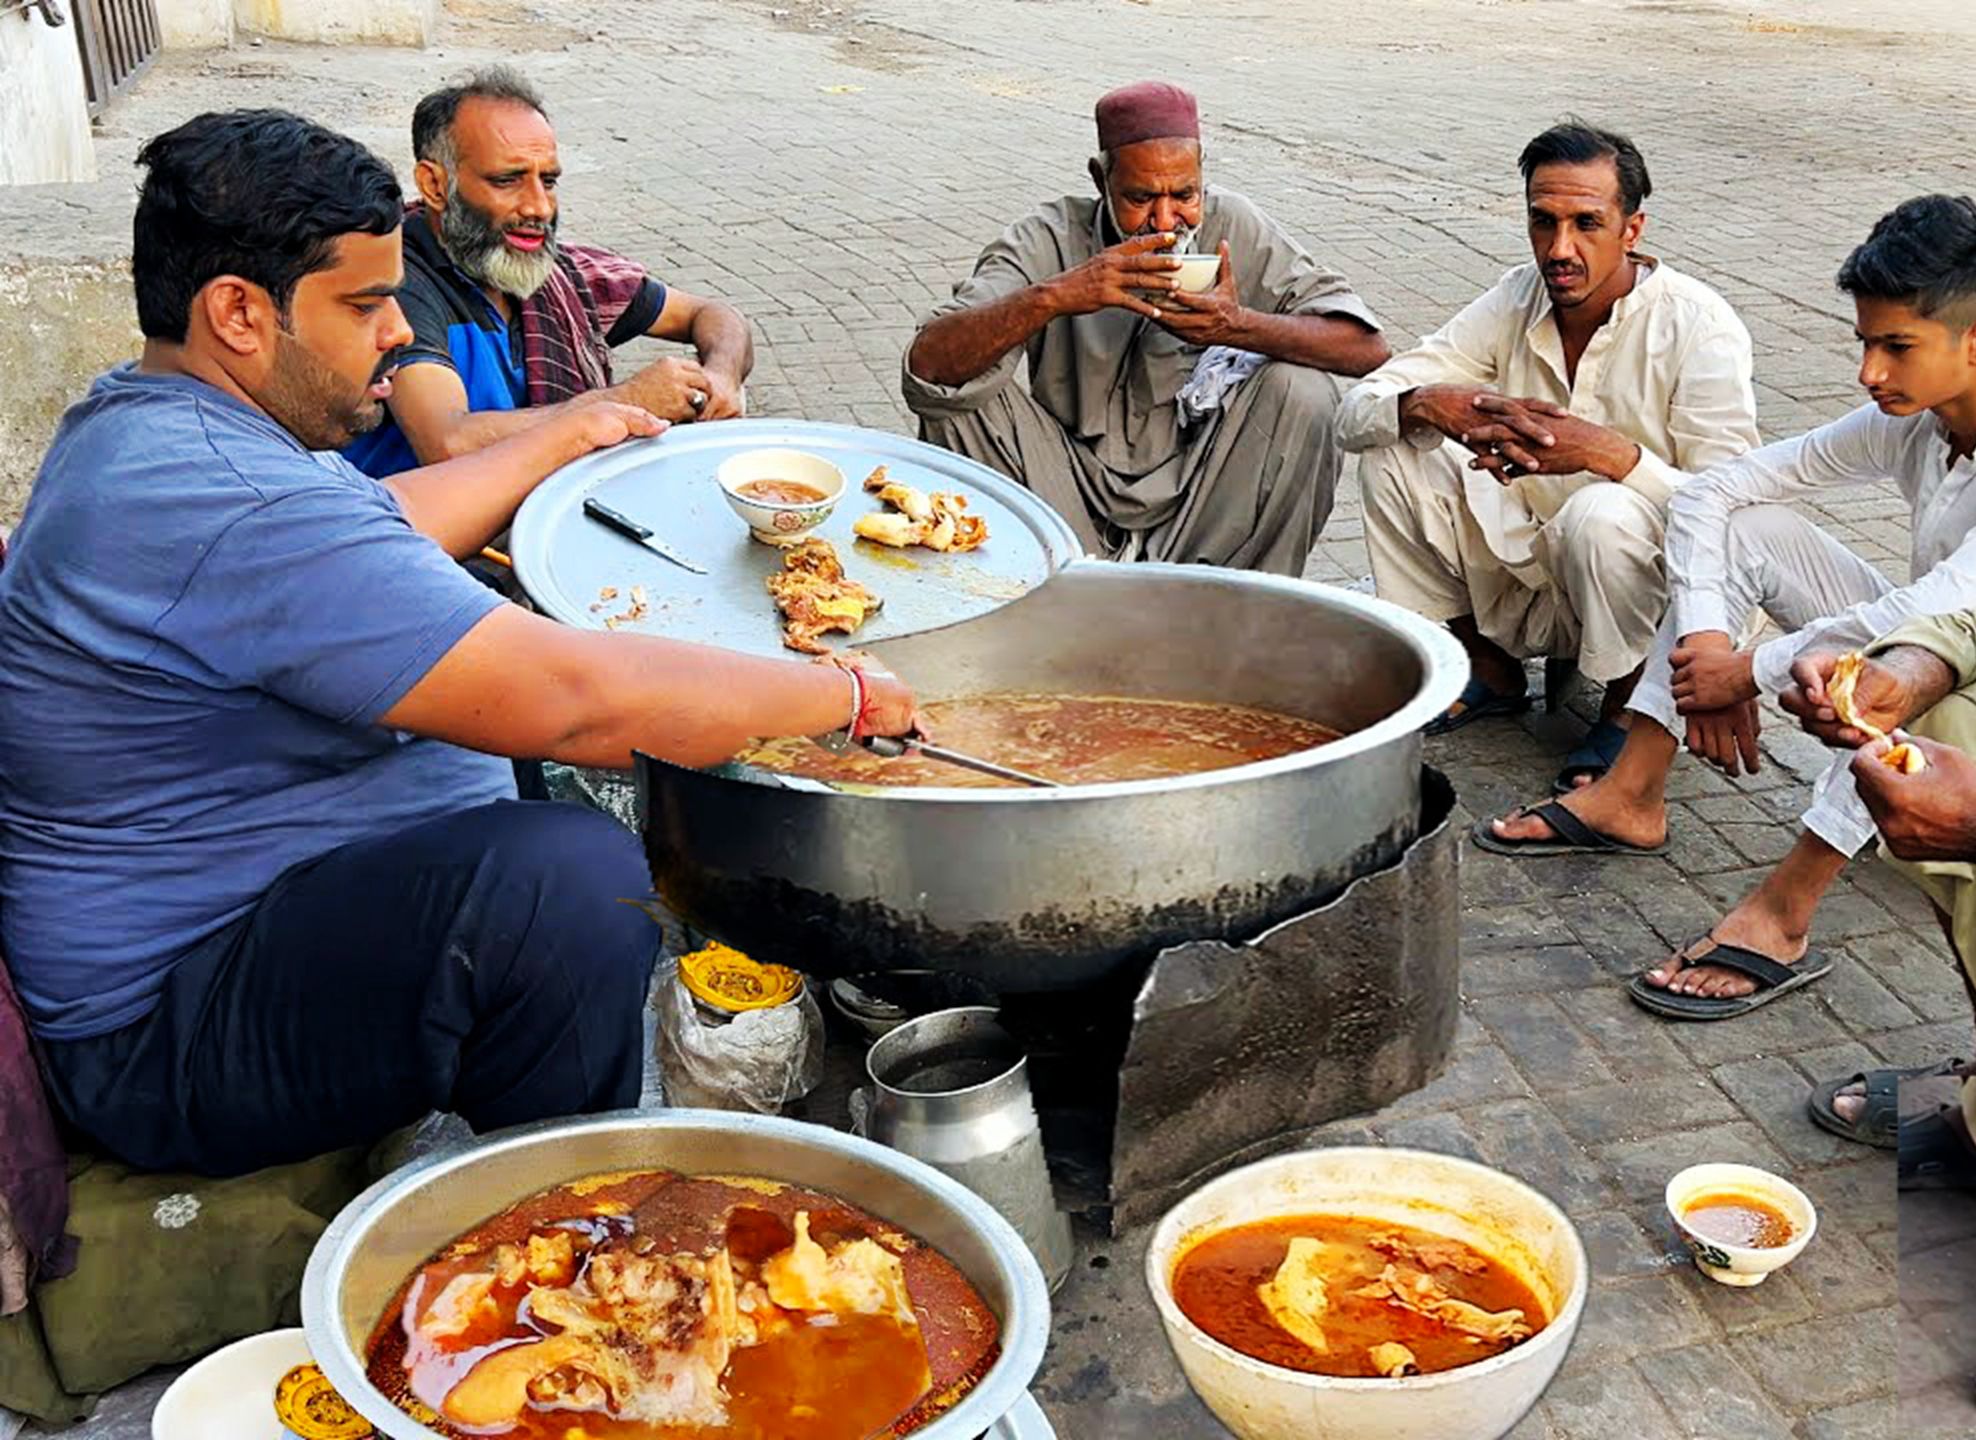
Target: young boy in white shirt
[{"x": 1734, "y": 547}]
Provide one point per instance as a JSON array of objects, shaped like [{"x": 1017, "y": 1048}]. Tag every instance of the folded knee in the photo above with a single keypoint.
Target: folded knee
[
  {"x": 569, "y": 871},
  {"x": 1299, "y": 388},
  {"x": 1383, "y": 484},
  {"x": 1759, "y": 527}
]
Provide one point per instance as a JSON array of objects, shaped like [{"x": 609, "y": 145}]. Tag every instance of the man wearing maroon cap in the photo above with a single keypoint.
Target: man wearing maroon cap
[{"x": 1163, "y": 425}]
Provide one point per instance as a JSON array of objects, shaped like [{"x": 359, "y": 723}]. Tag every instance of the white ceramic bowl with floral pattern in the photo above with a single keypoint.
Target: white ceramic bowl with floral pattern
[
  {"x": 1739, "y": 1264},
  {"x": 780, "y": 522}
]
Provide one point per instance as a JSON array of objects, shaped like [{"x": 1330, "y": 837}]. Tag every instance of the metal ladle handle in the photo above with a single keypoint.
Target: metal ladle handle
[{"x": 891, "y": 747}]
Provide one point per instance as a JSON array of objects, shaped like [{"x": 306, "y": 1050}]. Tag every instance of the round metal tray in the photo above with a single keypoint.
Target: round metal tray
[{"x": 564, "y": 559}]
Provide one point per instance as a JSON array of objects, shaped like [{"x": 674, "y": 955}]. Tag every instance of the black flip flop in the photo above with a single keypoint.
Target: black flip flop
[
  {"x": 1879, "y": 1123},
  {"x": 1593, "y": 757},
  {"x": 1773, "y": 978},
  {"x": 1478, "y": 702},
  {"x": 1569, "y": 836},
  {"x": 1933, "y": 1154}
]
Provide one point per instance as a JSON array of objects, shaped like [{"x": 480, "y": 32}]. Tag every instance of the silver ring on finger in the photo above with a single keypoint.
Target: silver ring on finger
[{"x": 697, "y": 399}]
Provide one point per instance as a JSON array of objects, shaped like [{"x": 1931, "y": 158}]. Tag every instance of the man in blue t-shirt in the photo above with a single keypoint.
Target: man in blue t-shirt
[
  {"x": 511, "y": 324},
  {"x": 265, "y": 889}
]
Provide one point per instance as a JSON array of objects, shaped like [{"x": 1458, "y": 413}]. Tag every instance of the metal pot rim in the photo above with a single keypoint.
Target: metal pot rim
[
  {"x": 1443, "y": 665},
  {"x": 1017, "y": 1066},
  {"x": 1025, "y": 1329}
]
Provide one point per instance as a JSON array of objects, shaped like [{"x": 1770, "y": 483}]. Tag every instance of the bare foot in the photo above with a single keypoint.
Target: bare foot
[
  {"x": 1601, "y": 805},
  {"x": 1752, "y": 925}
]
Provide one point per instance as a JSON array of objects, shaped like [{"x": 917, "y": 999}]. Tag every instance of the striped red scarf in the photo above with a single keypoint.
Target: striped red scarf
[{"x": 563, "y": 324}]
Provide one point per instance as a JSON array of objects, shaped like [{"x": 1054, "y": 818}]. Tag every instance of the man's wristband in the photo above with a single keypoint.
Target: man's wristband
[{"x": 855, "y": 729}]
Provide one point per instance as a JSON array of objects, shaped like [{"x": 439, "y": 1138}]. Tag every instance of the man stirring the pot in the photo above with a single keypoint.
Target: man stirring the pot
[
  {"x": 1163, "y": 425},
  {"x": 264, "y": 883}
]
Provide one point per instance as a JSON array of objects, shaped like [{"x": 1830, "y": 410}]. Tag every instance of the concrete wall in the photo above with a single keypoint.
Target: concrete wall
[
  {"x": 196, "y": 24},
  {"x": 44, "y": 110},
  {"x": 66, "y": 324},
  {"x": 329, "y": 22}
]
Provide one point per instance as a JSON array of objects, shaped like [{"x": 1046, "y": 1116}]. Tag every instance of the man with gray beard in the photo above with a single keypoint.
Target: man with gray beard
[
  {"x": 512, "y": 325},
  {"x": 1164, "y": 423}
]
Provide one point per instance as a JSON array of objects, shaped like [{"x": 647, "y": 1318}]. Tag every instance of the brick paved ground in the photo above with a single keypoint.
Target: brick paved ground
[
  {"x": 831, "y": 168},
  {"x": 1937, "y": 1356}
]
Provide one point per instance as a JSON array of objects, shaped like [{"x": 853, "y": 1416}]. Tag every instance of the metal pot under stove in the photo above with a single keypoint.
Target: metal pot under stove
[{"x": 1040, "y": 890}]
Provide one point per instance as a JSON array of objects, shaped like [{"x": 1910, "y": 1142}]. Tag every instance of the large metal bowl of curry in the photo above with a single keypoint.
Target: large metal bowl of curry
[
  {"x": 382, "y": 1236},
  {"x": 1037, "y": 890}
]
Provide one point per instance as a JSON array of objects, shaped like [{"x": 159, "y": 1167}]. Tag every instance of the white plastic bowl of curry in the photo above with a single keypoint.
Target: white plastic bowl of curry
[{"x": 1363, "y": 1293}]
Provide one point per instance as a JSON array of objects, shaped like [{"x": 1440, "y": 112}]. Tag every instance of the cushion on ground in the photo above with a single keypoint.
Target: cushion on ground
[{"x": 170, "y": 1268}]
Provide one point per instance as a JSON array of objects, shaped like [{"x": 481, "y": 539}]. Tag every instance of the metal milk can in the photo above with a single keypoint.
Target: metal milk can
[{"x": 952, "y": 1089}]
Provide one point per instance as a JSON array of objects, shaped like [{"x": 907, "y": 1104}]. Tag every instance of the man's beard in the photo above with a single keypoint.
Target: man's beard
[
  {"x": 315, "y": 404},
  {"x": 1183, "y": 235},
  {"x": 478, "y": 246}
]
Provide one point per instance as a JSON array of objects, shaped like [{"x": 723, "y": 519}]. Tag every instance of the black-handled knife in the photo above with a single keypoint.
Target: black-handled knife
[{"x": 603, "y": 514}]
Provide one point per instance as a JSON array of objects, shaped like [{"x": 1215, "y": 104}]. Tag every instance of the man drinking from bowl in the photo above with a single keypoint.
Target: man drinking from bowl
[
  {"x": 511, "y": 325},
  {"x": 265, "y": 887},
  {"x": 1163, "y": 424}
]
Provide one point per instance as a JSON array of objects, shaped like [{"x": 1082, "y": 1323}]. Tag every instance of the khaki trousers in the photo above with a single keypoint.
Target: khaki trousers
[
  {"x": 1250, "y": 488},
  {"x": 1950, "y": 884}
]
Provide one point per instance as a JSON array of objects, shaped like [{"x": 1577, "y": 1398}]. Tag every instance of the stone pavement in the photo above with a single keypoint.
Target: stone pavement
[
  {"x": 831, "y": 168},
  {"x": 1937, "y": 1349}
]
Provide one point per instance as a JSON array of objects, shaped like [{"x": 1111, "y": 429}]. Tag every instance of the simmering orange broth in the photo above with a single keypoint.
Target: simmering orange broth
[
  {"x": 834, "y": 1377},
  {"x": 1072, "y": 739},
  {"x": 1218, "y": 1285},
  {"x": 780, "y": 492},
  {"x": 1735, "y": 1217}
]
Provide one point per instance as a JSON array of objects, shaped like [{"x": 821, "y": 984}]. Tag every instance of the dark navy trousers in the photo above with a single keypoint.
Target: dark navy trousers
[{"x": 493, "y": 963}]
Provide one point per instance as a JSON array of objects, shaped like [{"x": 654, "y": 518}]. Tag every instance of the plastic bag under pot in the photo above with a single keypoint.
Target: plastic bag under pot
[{"x": 737, "y": 1035}]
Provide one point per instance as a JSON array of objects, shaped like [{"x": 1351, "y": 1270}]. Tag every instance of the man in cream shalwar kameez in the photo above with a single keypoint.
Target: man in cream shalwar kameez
[
  {"x": 1566, "y": 565},
  {"x": 1534, "y": 528}
]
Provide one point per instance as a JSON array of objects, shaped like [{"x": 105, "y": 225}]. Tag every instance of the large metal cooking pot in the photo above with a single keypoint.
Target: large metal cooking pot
[
  {"x": 1036, "y": 890},
  {"x": 397, "y": 1224}
]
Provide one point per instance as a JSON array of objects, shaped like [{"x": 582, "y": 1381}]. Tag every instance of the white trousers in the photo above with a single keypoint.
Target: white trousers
[
  {"x": 1591, "y": 581},
  {"x": 1782, "y": 564}
]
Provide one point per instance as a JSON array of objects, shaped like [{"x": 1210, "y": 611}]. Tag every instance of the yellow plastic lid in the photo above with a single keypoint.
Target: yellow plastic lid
[
  {"x": 308, "y": 1406},
  {"x": 728, "y": 980}
]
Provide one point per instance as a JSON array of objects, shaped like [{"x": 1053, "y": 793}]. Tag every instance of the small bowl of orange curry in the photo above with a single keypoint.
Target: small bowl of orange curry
[
  {"x": 1367, "y": 1293},
  {"x": 780, "y": 495},
  {"x": 1739, "y": 1222}
]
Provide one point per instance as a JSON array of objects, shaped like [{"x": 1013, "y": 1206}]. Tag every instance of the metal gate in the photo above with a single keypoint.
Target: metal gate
[{"x": 119, "y": 39}]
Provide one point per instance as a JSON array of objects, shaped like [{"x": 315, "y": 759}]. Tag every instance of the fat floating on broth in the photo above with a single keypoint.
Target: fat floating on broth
[{"x": 1346, "y": 1296}]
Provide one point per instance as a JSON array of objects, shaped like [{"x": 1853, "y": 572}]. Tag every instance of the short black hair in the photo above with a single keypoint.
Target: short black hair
[
  {"x": 261, "y": 194},
  {"x": 432, "y": 121},
  {"x": 1573, "y": 142},
  {"x": 1922, "y": 253}
]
